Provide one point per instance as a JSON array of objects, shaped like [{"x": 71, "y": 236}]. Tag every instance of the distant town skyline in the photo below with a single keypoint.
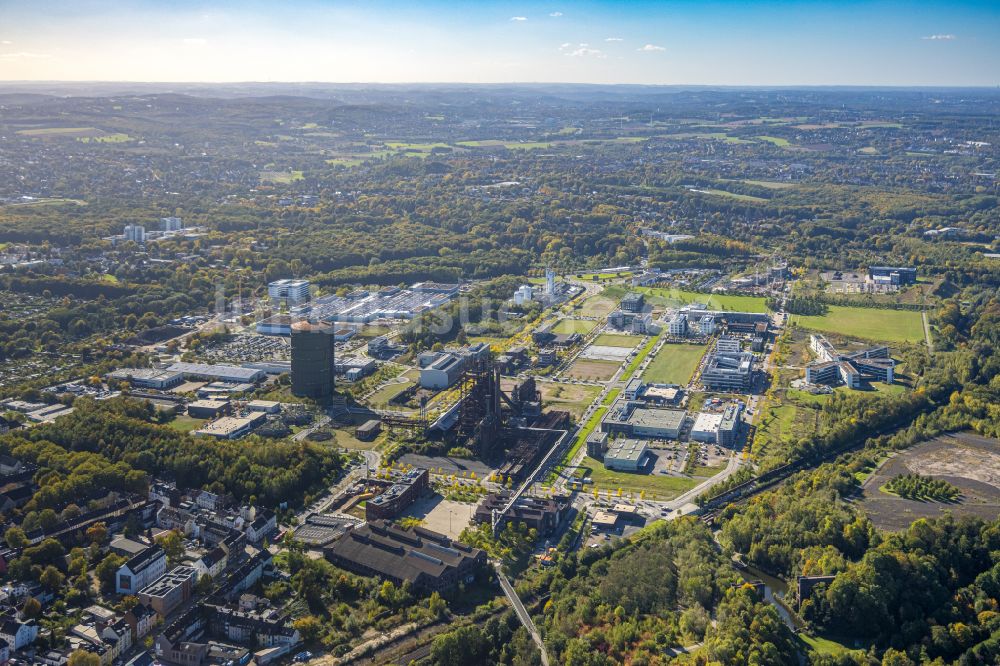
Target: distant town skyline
[{"x": 388, "y": 41}]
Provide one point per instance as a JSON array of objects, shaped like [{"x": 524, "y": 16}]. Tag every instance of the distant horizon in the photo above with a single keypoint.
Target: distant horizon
[
  {"x": 596, "y": 84},
  {"x": 757, "y": 43}
]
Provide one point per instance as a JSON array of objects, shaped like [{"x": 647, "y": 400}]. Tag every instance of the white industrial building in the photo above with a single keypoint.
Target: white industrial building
[
  {"x": 218, "y": 372},
  {"x": 148, "y": 377},
  {"x": 706, "y": 427},
  {"x": 626, "y": 455},
  {"x": 292, "y": 291}
]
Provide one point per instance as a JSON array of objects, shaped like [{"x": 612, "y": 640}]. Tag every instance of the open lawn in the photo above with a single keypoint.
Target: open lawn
[
  {"x": 489, "y": 340},
  {"x": 594, "y": 277},
  {"x": 678, "y": 297},
  {"x": 184, "y": 423},
  {"x": 387, "y": 393},
  {"x": 573, "y": 398},
  {"x": 595, "y": 371},
  {"x": 723, "y": 193},
  {"x": 61, "y": 131},
  {"x": 49, "y": 201},
  {"x": 782, "y": 422},
  {"x": 770, "y": 184},
  {"x": 674, "y": 364},
  {"x": 346, "y": 161},
  {"x": 346, "y": 440},
  {"x": 617, "y": 340},
  {"x": 718, "y": 136},
  {"x": 567, "y": 326},
  {"x": 656, "y": 486},
  {"x": 823, "y": 645},
  {"x": 866, "y": 323},
  {"x": 283, "y": 177},
  {"x": 416, "y": 147},
  {"x": 597, "y": 306},
  {"x": 776, "y": 140},
  {"x": 510, "y": 145}
]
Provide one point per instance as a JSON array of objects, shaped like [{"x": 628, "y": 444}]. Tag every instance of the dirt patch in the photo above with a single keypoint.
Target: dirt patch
[
  {"x": 967, "y": 461},
  {"x": 591, "y": 370}
]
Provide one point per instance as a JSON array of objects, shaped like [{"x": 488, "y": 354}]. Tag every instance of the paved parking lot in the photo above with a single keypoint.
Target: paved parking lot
[{"x": 442, "y": 515}]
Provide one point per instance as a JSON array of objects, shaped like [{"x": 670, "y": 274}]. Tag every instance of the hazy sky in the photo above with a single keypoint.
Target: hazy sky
[{"x": 696, "y": 42}]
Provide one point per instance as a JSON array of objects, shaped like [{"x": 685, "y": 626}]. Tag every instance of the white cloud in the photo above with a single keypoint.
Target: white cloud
[
  {"x": 555, "y": 14},
  {"x": 613, "y": 39},
  {"x": 650, "y": 48},
  {"x": 6, "y": 42},
  {"x": 195, "y": 41},
  {"x": 24, "y": 55},
  {"x": 564, "y": 45},
  {"x": 518, "y": 18},
  {"x": 584, "y": 52},
  {"x": 940, "y": 38}
]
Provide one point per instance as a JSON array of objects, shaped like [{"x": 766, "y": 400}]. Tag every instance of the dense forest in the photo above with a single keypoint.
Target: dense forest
[{"x": 75, "y": 458}]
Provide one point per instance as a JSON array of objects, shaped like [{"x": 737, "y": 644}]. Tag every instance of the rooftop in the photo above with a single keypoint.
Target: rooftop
[
  {"x": 168, "y": 581},
  {"x": 217, "y": 370},
  {"x": 631, "y": 450},
  {"x": 407, "y": 554}
]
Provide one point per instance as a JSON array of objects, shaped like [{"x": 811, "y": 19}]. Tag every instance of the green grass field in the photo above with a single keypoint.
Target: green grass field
[
  {"x": 770, "y": 184},
  {"x": 677, "y": 297},
  {"x": 510, "y": 145},
  {"x": 283, "y": 177},
  {"x": 346, "y": 161},
  {"x": 617, "y": 340},
  {"x": 567, "y": 326},
  {"x": 823, "y": 645},
  {"x": 656, "y": 486},
  {"x": 776, "y": 140},
  {"x": 597, "y": 306},
  {"x": 719, "y": 136},
  {"x": 604, "y": 276},
  {"x": 387, "y": 393},
  {"x": 415, "y": 147},
  {"x": 723, "y": 193},
  {"x": 345, "y": 439},
  {"x": 866, "y": 323},
  {"x": 49, "y": 201},
  {"x": 60, "y": 131},
  {"x": 184, "y": 423},
  {"x": 674, "y": 364}
]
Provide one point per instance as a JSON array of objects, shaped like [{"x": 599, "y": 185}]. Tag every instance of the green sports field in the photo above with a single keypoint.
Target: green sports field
[
  {"x": 677, "y": 297},
  {"x": 674, "y": 364},
  {"x": 618, "y": 340},
  {"x": 866, "y": 323},
  {"x": 568, "y": 326}
]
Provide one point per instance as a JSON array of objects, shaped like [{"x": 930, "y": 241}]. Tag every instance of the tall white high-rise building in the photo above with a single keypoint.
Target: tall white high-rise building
[
  {"x": 550, "y": 282},
  {"x": 292, "y": 291},
  {"x": 523, "y": 294},
  {"x": 171, "y": 223},
  {"x": 135, "y": 232}
]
